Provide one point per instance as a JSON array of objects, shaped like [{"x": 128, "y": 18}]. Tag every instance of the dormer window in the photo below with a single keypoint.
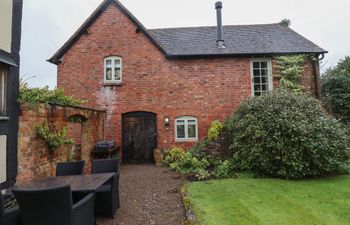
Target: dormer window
[{"x": 113, "y": 70}]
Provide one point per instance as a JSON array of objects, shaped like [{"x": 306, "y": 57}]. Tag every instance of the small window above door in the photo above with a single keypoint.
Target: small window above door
[{"x": 113, "y": 70}]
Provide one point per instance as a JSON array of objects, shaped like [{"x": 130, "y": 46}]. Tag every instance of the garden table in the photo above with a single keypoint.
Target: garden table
[{"x": 78, "y": 183}]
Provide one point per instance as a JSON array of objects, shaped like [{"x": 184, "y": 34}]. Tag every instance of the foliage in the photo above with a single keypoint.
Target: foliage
[
  {"x": 35, "y": 96},
  {"x": 172, "y": 155},
  {"x": 290, "y": 69},
  {"x": 198, "y": 149},
  {"x": 287, "y": 135},
  {"x": 184, "y": 163},
  {"x": 345, "y": 168},
  {"x": 336, "y": 89},
  {"x": 53, "y": 139},
  {"x": 214, "y": 130},
  {"x": 285, "y": 23},
  {"x": 271, "y": 201},
  {"x": 76, "y": 119},
  {"x": 222, "y": 169}
]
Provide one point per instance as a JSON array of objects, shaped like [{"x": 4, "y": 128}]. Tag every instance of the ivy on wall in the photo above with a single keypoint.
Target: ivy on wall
[
  {"x": 53, "y": 139},
  {"x": 290, "y": 70}
]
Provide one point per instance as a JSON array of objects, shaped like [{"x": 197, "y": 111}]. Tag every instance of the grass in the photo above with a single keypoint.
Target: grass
[{"x": 272, "y": 201}]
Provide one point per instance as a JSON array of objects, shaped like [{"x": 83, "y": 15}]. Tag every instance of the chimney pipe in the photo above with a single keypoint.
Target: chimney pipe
[{"x": 220, "y": 40}]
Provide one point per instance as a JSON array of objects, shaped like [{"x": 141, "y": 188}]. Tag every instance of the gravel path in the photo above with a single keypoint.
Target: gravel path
[{"x": 150, "y": 195}]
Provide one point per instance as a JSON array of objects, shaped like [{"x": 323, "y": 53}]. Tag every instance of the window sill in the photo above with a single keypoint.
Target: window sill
[
  {"x": 4, "y": 118},
  {"x": 112, "y": 84},
  {"x": 187, "y": 140}
]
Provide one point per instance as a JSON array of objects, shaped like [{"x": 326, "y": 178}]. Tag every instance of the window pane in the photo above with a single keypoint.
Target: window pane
[
  {"x": 180, "y": 131},
  {"x": 108, "y": 73},
  {"x": 256, "y": 80},
  {"x": 256, "y": 72},
  {"x": 263, "y": 72},
  {"x": 257, "y": 87},
  {"x": 264, "y": 87},
  {"x": 264, "y": 80},
  {"x": 257, "y": 93},
  {"x": 256, "y": 65},
  {"x": 264, "y": 65},
  {"x": 117, "y": 74},
  {"x": 180, "y": 122},
  {"x": 117, "y": 62},
  {"x": 192, "y": 131},
  {"x": 108, "y": 63}
]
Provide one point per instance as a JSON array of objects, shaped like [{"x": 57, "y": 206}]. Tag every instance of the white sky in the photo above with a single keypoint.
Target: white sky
[{"x": 47, "y": 24}]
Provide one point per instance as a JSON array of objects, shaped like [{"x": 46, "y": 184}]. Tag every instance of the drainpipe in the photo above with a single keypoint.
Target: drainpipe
[{"x": 316, "y": 77}]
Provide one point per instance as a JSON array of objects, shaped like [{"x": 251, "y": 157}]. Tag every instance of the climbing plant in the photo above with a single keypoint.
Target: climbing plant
[
  {"x": 290, "y": 69},
  {"x": 53, "y": 139}
]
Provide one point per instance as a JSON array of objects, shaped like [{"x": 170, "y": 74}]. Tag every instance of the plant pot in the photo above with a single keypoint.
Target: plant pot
[{"x": 158, "y": 156}]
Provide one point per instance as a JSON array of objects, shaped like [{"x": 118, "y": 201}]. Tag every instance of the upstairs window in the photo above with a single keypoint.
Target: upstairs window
[
  {"x": 186, "y": 128},
  {"x": 261, "y": 73},
  {"x": 3, "y": 89},
  {"x": 113, "y": 70}
]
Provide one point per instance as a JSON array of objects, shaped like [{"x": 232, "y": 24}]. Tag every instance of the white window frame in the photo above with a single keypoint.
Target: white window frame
[
  {"x": 269, "y": 73},
  {"x": 186, "y": 119},
  {"x": 113, "y": 80}
]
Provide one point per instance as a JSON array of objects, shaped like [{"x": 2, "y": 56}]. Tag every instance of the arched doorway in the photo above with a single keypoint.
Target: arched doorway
[{"x": 139, "y": 137}]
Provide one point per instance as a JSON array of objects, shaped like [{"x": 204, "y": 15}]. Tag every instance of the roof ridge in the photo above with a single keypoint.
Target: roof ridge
[{"x": 235, "y": 25}]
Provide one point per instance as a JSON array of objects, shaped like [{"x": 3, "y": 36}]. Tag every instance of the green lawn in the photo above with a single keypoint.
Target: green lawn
[{"x": 272, "y": 201}]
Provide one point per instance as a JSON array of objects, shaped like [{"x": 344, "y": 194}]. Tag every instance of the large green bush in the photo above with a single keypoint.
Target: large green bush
[
  {"x": 336, "y": 89},
  {"x": 287, "y": 135}
]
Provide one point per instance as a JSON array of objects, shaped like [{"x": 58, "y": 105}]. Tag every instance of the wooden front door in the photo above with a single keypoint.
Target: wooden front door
[{"x": 139, "y": 137}]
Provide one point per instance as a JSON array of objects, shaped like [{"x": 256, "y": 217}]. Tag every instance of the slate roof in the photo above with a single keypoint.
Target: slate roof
[
  {"x": 264, "y": 39},
  {"x": 239, "y": 40}
]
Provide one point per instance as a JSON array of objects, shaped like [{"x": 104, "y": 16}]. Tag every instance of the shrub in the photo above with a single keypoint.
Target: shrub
[
  {"x": 222, "y": 169},
  {"x": 286, "y": 135},
  {"x": 172, "y": 155},
  {"x": 214, "y": 130},
  {"x": 35, "y": 96},
  {"x": 336, "y": 89},
  {"x": 184, "y": 163},
  {"x": 199, "y": 149}
]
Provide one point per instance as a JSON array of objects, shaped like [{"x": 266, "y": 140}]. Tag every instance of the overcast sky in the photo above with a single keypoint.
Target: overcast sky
[{"x": 47, "y": 24}]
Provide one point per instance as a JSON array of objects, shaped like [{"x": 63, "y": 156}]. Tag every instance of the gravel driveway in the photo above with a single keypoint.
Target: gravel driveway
[{"x": 149, "y": 195}]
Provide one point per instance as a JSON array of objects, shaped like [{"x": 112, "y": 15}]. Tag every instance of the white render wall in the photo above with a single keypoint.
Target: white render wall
[
  {"x": 3, "y": 142},
  {"x": 6, "y": 25}
]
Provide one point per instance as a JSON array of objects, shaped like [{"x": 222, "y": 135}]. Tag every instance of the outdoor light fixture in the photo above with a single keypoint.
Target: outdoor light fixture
[{"x": 166, "y": 121}]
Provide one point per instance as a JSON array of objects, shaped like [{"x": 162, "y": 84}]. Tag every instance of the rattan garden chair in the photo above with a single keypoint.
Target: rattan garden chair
[
  {"x": 54, "y": 207},
  {"x": 70, "y": 168},
  {"x": 107, "y": 199}
]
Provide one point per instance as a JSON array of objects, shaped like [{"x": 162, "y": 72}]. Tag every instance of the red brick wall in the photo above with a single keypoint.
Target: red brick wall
[
  {"x": 34, "y": 158},
  {"x": 205, "y": 88}
]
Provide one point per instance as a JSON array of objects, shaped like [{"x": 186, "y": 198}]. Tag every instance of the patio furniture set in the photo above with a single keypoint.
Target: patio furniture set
[{"x": 70, "y": 198}]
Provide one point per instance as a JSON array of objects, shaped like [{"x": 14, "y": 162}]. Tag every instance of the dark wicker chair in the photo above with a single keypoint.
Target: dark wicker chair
[
  {"x": 107, "y": 199},
  {"x": 54, "y": 207},
  {"x": 8, "y": 217},
  {"x": 70, "y": 168}
]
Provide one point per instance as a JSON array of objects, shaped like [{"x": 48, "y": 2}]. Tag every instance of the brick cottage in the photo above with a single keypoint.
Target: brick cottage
[{"x": 164, "y": 87}]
